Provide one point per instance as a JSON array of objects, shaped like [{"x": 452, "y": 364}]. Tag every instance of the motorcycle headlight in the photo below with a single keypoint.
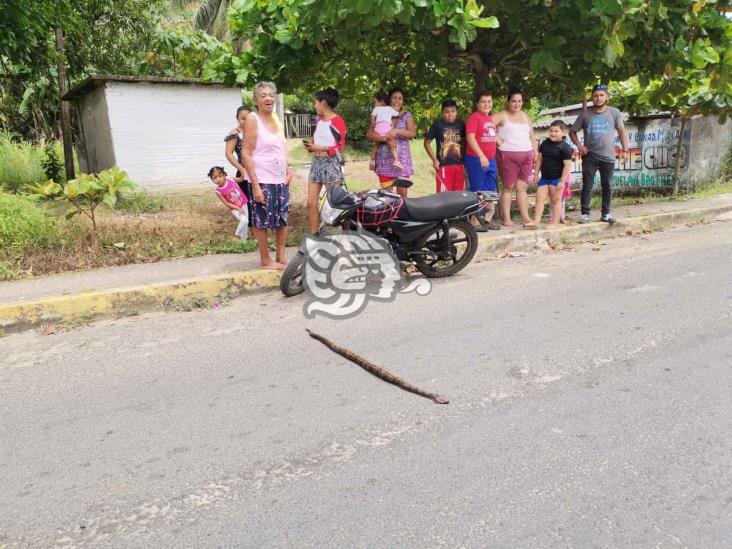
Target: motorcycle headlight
[{"x": 328, "y": 213}]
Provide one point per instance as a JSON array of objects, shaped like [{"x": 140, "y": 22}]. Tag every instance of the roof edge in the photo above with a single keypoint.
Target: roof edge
[{"x": 95, "y": 81}]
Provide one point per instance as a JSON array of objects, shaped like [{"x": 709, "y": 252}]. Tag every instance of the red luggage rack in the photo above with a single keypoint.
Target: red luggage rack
[{"x": 377, "y": 208}]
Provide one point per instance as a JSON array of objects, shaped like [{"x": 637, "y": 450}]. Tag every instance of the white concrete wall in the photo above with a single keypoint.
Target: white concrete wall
[
  {"x": 169, "y": 135},
  {"x": 710, "y": 144}
]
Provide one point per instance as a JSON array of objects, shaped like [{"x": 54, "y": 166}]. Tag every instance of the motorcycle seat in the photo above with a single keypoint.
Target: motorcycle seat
[{"x": 438, "y": 206}]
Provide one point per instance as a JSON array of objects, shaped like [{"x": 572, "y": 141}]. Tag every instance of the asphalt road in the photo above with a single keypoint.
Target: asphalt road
[{"x": 589, "y": 407}]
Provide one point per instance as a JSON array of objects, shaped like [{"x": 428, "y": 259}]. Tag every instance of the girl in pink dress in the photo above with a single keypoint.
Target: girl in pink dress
[{"x": 233, "y": 198}]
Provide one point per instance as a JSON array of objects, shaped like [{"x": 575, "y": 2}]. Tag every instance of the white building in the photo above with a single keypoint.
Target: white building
[{"x": 164, "y": 132}]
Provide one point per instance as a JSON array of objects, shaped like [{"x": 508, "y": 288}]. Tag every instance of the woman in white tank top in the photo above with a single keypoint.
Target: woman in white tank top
[{"x": 517, "y": 155}]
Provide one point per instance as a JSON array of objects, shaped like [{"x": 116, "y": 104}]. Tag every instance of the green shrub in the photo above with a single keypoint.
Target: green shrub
[
  {"x": 21, "y": 163},
  {"x": 87, "y": 192},
  {"x": 725, "y": 167},
  {"x": 52, "y": 166},
  {"x": 357, "y": 118},
  {"x": 8, "y": 271},
  {"x": 24, "y": 225},
  {"x": 24, "y": 163},
  {"x": 299, "y": 103}
]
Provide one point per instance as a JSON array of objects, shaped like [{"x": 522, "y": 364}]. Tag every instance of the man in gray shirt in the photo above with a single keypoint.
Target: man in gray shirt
[{"x": 599, "y": 125}]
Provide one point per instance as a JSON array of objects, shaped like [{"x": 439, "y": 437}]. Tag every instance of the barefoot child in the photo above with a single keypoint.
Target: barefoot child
[
  {"x": 554, "y": 162},
  {"x": 567, "y": 188},
  {"x": 383, "y": 119},
  {"x": 232, "y": 197}
]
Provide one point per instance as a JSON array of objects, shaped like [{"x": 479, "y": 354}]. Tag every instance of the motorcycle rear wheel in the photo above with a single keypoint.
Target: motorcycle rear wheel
[
  {"x": 463, "y": 245},
  {"x": 291, "y": 282}
]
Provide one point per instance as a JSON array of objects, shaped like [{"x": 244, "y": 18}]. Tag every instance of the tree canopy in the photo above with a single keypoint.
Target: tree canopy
[
  {"x": 101, "y": 36},
  {"x": 548, "y": 47},
  {"x": 210, "y": 16},
  {"x": 697, "y": 79}
]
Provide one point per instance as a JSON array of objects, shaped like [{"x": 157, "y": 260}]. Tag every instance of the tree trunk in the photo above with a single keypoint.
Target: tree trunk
[
  {"x": 679, "y": 148},
  {"x": 480, "y": 77},
  {"x": 65, "y": 113}
]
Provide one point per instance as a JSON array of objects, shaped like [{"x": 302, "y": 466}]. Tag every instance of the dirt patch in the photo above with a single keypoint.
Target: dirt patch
[{"x": 189, "y": 224}]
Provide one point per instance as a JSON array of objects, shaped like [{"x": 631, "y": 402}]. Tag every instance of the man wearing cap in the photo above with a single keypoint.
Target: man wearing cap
[{"x": 599, "y": 125}]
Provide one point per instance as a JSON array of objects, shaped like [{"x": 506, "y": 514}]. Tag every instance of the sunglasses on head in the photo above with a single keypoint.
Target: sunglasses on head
[{"x": 600, "y": 87}]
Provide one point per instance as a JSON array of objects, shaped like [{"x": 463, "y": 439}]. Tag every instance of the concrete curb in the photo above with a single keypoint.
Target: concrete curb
[
  {"x": 204, "y": 292},
  {"x": 493, "y": 247},
  {"x": 181, "y": 295}
]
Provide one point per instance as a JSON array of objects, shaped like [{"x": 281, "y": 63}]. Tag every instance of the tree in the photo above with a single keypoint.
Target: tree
[
  {"x": 210, "y": 17},
  {"x": 697, "y": 79},
  {"x": 100, "y": 36},
  {"x": 182, "y": 53},
  {"x": 549, "y": 47},
  {"x": 84, "y": 195}
]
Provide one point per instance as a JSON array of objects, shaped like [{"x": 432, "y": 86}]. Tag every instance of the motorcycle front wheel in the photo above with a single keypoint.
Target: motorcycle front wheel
[
  {"x": 291, "y": 282},
  {"x": 435, "y": 262}
]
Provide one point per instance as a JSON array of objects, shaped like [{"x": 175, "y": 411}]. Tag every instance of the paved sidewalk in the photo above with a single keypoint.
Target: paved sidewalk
[
  {"x": 126, "y": 275},
  {"x": 131, "y": 289}
]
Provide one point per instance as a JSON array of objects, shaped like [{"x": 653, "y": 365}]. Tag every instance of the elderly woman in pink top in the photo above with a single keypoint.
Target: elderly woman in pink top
[
  {"x": 265, "y": 161},
  {"x": 516, "y": 155}
]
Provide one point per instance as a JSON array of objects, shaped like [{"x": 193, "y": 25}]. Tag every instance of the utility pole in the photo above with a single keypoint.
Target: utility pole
[{"x": 65, "y": 111}]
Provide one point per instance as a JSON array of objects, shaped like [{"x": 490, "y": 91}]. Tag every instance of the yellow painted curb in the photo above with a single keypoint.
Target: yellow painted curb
[{"x": 179, "y": 294}]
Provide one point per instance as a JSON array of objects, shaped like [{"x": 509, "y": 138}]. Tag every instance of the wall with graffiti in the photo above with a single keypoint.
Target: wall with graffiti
[{"x": 652, "y": 159}]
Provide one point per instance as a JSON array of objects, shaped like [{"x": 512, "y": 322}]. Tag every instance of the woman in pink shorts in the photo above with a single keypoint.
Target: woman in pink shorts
[{"x": 516, "y": 155}]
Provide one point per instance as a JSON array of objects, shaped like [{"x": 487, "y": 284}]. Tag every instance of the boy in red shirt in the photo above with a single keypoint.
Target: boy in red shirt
[{"x": 482, "y": 138}]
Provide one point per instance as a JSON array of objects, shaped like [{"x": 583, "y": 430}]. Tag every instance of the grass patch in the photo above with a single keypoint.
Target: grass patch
[
  {"x": 8, "y": 270},
  {"x": 23, "y": 225},
  {"x": 189, "y": 223},
  {"x": 140, "y": 202},
  {"x": 21, "y": 163},
  {"x": 171, "y": 303},
  {"x": 712, "y": 189},
  {"x": 186, "y": 305},
  {"x": 24, "y": 163},
  {"x": 623, "y": 199},
  {"x": 298, "y": 155},
  {"x": 358, "y": 175}
]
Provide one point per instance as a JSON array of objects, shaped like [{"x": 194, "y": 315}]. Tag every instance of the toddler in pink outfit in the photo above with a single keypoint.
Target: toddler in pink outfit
[
  {"x": 383, "y": 120},
  {"x": 230, "y": 194}
]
